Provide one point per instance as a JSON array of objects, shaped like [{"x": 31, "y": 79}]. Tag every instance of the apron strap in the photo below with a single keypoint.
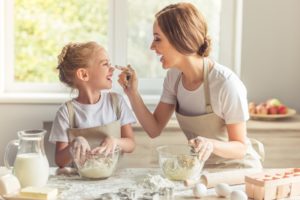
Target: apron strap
[
  {"x": 208, "y": 107},
  {"x": 176, "y": 90},
  {"x": 71, "y": 113},
  {"x": 258, "y": 147},
  {"x": 115, "y": 104}
]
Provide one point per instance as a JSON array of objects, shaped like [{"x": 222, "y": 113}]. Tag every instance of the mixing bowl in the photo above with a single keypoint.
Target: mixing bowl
[
  {"x": 99, "y": 165},
  {"x": 177, "y": 162}
]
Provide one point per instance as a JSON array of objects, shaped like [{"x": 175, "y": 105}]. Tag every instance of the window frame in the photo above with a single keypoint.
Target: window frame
[{"x": 229, "y": 55}]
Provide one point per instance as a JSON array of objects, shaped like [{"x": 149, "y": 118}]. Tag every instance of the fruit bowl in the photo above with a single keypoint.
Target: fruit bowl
[
  {"x": 99, "y": 165},
  {"x": 270, "y": 110},
  {"x": 290, "y": 113},
  {"x": 178, "y": 163}
]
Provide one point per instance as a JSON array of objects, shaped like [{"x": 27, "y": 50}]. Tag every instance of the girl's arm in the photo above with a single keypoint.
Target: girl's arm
[
  {"x": 62, "y": 154},
  {"x": 127, "y": 141}
]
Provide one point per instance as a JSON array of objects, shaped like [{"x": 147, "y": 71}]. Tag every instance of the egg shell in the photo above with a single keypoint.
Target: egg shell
[
  {"x": 238, "y": 195},
  {"x": 223, "y": 189},
  {"x": 199, "y": 190}
]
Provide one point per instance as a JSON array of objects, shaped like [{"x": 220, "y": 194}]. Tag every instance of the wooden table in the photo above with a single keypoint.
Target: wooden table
[{"x": 76, "y": 188}]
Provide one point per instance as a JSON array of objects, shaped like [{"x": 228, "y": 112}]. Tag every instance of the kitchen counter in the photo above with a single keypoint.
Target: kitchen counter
[{"x": 286, "y": 124}]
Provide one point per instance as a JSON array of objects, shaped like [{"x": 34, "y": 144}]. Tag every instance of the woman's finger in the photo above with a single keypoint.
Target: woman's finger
[{"x": 120, "y": 67}]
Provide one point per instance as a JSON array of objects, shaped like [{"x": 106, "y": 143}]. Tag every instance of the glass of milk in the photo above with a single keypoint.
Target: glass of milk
[{"x": 31, "y": 166}]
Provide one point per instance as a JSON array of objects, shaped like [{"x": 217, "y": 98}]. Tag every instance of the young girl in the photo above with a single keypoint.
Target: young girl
[{"x": 94, "y": 120}]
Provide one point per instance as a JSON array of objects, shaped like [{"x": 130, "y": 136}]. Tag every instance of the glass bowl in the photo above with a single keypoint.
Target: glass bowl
[
  {"x": 98, "y": 166},
  {"x": 178, "y": 163}
]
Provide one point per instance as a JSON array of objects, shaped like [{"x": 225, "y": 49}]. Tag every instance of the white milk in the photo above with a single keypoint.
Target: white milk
[{"x": 31, "y": 169}]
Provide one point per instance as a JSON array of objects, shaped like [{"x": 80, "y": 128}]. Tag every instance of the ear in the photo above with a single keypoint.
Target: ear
[{"x": 82, "y": 74}]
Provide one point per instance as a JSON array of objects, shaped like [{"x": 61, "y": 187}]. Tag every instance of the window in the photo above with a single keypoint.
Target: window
[{"x": 33, "y": 33}]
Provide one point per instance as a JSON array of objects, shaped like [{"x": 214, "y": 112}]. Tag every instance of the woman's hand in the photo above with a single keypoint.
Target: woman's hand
[
  {"x": 107, "y": 146},
  {"x": 128, "y": 79},
  {"x": 202, "y": 146}
]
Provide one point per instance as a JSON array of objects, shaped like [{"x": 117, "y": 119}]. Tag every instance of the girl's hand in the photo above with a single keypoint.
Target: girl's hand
[
  {"x": 79, "y": 148},
  {"x": 128, "y": 79},
  {"x": 202, "y": 146},
  {"x": 107, "y": 146}
]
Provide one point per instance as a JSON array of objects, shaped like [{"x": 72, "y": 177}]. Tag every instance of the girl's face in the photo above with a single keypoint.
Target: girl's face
[
  {"x": 100, "y": 70},
  {"x": 169, "y": 56}
]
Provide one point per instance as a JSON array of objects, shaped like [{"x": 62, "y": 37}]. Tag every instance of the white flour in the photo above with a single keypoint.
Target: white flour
[{"x": 155, "y": 182}]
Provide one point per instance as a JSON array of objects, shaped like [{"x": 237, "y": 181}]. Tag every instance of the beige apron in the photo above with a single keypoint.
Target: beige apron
[
  {"x": 210, "y": 125},
  {"x": 95, "y": 135}
]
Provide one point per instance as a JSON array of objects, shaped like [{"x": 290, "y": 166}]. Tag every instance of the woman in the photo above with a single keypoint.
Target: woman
[{"x": 209, "y": 99}]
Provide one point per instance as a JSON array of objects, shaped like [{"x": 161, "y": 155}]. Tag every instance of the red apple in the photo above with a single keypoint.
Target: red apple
[
  {"x": 282, "y": 109},
  {"x": 272, "y": 110}
]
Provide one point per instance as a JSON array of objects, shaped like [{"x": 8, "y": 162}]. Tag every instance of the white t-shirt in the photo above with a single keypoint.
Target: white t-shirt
[
  {"x": 228, "y": 95},
  {"x": 89, "y": 115}
]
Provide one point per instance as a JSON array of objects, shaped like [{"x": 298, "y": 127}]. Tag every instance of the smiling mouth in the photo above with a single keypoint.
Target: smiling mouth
[
  {"x": 161, "y": 57},
  {"x": 109, "y": 78}
]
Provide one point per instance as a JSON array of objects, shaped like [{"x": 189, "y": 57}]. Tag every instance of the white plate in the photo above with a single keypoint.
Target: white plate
[{"x": 290, "y": 113}]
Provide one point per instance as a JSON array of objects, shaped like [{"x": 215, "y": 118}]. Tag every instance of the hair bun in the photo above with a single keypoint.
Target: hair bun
[
  {"x": 204, "y": 49},
  {"x": 64, "y": 52}
]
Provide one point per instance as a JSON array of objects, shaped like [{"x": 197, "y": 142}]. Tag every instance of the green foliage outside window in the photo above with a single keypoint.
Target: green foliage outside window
[{"x": 42, "y": 28}]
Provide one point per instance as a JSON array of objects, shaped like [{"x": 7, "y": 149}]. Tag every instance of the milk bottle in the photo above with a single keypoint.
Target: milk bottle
[{"x": 31, "y": 166}]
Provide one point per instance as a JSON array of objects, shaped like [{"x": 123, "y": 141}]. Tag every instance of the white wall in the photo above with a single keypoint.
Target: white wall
[
  {"x": 15, "y": 117},
  {"x": 270, "y": 65},
  {"x": 271, "y": 50}
]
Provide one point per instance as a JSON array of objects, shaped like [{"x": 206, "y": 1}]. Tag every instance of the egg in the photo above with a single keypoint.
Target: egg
[
  {"x": 199, "y": 190},
  {"x": 238, "y": 195},
  {"x": 223, "y": 189}
]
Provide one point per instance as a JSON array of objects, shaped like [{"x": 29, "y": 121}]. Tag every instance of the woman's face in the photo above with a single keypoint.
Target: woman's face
[
  {"x": 100, "y": 71},
  {"x": 169, "y": 56}
]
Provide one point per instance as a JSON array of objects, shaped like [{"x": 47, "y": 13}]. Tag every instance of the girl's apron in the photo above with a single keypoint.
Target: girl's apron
[
  {"x": 95, "y": 135},
  {"x": 210, "y": 125}
]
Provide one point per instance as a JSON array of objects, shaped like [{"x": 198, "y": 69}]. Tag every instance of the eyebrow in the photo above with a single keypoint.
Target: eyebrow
[
  {"x": 104, "y": 60},
  {"x": 156, "y": 34}
]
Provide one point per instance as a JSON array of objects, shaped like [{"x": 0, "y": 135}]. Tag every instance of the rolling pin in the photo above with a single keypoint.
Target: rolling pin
[{"x": 231, "y": 177}]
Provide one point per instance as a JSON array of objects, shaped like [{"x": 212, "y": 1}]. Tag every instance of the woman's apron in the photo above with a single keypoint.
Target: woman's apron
[
  {"x": 95, "y": 135},
  {"x": 210, "y": 125}
]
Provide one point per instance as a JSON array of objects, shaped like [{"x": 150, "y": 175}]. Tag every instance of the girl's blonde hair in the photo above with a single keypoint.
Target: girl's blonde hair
[
  {"x": 186, "y": 28},
  {"x": 72, "y": 57}
]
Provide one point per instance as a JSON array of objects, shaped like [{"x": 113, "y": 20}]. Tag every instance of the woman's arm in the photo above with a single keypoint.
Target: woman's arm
[
  {"x": 153, "y": 123},
  {"x": 236, "y": 147},
  {"x": 62, "y": 154}
]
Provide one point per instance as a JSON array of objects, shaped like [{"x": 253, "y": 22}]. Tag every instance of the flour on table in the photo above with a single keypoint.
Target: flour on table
[{"x": 155, "y": 182}]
